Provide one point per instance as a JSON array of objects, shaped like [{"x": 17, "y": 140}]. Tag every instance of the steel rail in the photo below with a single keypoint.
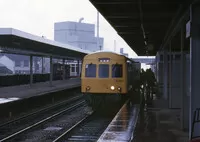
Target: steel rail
[
  {"x": 39, "y": 111},
  {"x": 42, "y": 121}
]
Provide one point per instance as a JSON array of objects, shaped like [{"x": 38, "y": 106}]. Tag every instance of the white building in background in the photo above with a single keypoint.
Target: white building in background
[
  {"x": 80, "y": 35},
  {"x": 77, "y": 34},
  {"x": 122, "y": 52}
]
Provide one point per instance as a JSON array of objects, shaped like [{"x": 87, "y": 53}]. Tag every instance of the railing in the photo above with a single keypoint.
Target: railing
[{"x": 196, "y": 119}]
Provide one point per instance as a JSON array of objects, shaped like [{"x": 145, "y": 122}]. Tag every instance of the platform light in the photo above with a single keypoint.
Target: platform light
[{"x": 112, "y": 87}]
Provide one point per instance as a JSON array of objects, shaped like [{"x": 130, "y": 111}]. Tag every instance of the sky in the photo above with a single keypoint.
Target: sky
[{"x": 38, "y": 17}]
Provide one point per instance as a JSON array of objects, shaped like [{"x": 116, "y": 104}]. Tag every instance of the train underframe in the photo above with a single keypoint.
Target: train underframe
[{"x": 96, "y": 101}]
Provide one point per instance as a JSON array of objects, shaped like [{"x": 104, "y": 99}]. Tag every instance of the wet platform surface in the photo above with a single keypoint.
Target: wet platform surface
[
  {"x": 122, "y": 126},
  {"x": 159, "y": 124},
  {"x": 25, "y": 91}
]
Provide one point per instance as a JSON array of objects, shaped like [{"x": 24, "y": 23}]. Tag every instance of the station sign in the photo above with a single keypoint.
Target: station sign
[{"x": 188, "y": 26}]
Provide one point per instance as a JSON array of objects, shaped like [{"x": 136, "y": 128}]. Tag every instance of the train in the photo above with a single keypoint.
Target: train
[
  {"x": 108, "y": 77},
  {"x": 71, "y": 70},
  {"x": 58, "y": 71}
]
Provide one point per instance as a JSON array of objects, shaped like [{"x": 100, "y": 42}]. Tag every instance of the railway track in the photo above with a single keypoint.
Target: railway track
[
  {"x": 89, "y": 128},
  {"x": 17, "y": 127}
]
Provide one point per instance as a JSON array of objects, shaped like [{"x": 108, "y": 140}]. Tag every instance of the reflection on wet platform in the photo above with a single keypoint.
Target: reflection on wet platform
[
  {"x": 6, "y": 100},
  {"x": 122, "y": 126},
  {"x": 159, "y": 125},
  {"x": 120, "y": 122},
  {"x": 118, "y": 128}
]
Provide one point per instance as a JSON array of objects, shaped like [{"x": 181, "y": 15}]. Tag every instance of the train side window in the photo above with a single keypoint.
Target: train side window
[
  {"x": 90, "y": 70},
  {"x": 117, "y": 71},
  {"x": 103, "y": 71}
]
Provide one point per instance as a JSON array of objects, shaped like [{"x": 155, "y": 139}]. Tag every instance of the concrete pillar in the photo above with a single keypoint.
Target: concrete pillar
[
  {"x": 81, "y": 67},
  {"x": 78, "y": 68},
  {"x": 31, "y": 70},
  {"x": 194, "y": 65},
  {"x": 42, "y": 65},
  {"x": 170, "y": 75},
  {"x": 165, "y": 74},
  {"x": 51, "y": 71},
  {"x": 64, "y": 69},
  {"x": 184, "y": 98}
]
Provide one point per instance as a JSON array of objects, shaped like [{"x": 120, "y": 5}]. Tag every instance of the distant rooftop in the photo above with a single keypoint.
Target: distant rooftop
[{"x": 145, "y": 59}]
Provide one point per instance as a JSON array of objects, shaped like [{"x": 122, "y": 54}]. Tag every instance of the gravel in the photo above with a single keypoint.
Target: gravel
[{"x": 49, "y": 131}]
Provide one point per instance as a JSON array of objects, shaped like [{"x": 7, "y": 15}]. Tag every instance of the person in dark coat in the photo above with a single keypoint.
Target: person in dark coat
[{"x": 150, "y": 85}]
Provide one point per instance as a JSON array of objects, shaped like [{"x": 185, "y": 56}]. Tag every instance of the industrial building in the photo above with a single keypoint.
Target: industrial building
[{"x": 78, "y": 34}]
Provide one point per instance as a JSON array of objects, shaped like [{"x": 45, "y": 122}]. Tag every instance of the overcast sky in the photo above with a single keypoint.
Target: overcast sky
[{"x": 38, "y": 17}]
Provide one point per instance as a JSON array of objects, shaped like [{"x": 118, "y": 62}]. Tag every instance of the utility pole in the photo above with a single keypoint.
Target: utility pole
[{"x": 98, "y": 46}]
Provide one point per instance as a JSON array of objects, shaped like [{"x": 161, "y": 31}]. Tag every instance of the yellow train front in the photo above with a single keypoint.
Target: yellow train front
[{"x": 106, "y": 77}]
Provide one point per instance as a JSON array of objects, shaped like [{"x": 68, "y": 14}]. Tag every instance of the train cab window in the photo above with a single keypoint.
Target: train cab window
[
  {"x": 116, "y": 71},
  {"x": 103, "y": 71},
  {"x": 90, "y": 70}
]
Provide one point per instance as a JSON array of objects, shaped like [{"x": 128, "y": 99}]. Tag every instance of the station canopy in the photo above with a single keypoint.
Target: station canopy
[
  {"x": 143, "y": 24},
  {"x": 17, "y": 42}
]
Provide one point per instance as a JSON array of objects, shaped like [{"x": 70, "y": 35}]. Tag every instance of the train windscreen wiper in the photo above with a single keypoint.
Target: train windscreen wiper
[{"x": 114, "y": 66}]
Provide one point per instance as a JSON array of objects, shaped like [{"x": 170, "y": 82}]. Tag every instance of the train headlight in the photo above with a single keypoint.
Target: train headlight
[
  {"x": 88, "y": 88},
  {"x": 119, "y": 89},
  {"x": 112, "y": 87}
]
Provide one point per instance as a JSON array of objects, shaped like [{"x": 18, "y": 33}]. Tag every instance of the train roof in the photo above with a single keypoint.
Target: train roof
[
  {"x": 101, "y": 51},
  {"x": 107, "y": 51}
]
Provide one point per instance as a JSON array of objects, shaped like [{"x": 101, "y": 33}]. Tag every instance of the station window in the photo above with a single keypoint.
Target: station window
[
  {"x": 73, "y": 69},
  {"x": 26, "y": 63},
  {"x": 161, "y": 57},
  {"x": 168, "y": 57},
  {"x": 117, "y": 71},
  {"x": 77, "y": 68},
  {"x": 172, "y": 57},
  {"x": 90, "y": 70},
  {"x": 103, "y": 71},
  {"x": 17, "y": 63},
  {"x": 177, "y": 57}
]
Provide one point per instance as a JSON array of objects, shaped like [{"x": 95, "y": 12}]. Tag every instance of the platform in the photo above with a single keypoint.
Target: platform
[
  {"x": 122, "y": 126},
  {"x": 160, "y": 124},
  {"x": 12, "y": 93}
]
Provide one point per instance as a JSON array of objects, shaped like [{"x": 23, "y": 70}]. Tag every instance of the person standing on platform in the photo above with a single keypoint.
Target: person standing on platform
[{"x": 150, "y": 85}]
